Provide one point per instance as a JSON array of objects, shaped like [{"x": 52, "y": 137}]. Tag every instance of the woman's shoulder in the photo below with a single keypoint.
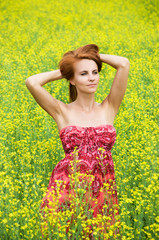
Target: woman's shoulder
[{"x": 71, "y": 106}]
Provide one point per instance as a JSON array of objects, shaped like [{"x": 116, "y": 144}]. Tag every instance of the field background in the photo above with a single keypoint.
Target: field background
[{"x": 34, "y": 35}]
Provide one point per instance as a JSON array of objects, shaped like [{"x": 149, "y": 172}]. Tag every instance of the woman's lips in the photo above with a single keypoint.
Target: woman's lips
[{"x": 91, "y": 85}]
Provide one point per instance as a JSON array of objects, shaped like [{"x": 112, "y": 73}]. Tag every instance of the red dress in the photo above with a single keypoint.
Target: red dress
[{"x": 94, "y": 146}]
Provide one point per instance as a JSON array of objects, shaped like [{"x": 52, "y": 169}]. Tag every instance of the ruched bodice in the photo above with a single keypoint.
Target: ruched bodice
[
  {"x": 90, "y": 142},
  {"x": 87, "y": 139}
]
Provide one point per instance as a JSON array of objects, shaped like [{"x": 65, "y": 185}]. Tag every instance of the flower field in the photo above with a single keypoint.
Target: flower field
[{"x": 34, "y": 35}]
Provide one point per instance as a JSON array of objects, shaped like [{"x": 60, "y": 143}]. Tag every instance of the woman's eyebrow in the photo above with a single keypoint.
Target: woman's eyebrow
[
  {"x": 87, "y": 71},
  {"x": 83, "y": 71}
]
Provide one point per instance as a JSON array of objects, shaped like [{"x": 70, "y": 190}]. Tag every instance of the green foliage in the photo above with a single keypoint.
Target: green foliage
[{"x": 34, "y": 36}]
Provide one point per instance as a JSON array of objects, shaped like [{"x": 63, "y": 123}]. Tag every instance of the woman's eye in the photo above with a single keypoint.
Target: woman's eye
[{"x": 82, "y": 74}]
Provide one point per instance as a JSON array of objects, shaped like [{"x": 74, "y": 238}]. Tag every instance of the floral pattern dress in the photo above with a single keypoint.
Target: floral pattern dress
[{"x": 93, "y": 158}]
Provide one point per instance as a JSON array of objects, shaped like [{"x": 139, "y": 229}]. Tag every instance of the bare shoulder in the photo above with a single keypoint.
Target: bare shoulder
[
  {"x": 69, "y": 115},
  {"x": 63, "y": 107},
  {"x": 108, "y": 108},
  {"x": 63, "y": 115}
]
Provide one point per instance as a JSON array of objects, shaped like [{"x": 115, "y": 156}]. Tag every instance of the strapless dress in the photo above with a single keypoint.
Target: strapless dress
[{"x": 92, "y": 148}]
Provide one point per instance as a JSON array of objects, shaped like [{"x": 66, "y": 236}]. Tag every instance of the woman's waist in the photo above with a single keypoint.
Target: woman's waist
[{"x": 88, "y": 150}]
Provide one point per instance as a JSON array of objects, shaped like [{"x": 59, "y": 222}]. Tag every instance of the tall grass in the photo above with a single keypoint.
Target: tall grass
[{"x": 34, "y": 36}]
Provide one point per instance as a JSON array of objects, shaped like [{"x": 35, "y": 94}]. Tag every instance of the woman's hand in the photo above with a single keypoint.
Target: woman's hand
[
  {"x": 113, "y": 60},
  {"x": 43, "y": 78}
]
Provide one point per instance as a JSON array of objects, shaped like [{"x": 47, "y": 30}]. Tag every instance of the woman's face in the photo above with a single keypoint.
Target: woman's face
[{"x": 86, "y": 76}]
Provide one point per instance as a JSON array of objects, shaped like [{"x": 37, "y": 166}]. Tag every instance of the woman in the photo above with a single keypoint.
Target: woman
[{"x": 84, "y": 124}]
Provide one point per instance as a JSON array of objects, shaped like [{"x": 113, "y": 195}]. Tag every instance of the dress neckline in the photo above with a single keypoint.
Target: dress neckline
[{"x": 103, "y": 125}]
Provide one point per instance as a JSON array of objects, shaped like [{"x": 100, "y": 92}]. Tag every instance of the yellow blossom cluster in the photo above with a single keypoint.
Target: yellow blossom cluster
[
  {"x": 34, "y": 35},
  {"x": 74, "y": 217}
]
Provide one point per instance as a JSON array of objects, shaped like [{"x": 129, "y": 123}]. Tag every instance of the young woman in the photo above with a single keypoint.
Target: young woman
[{"x": 84, "y": 123}]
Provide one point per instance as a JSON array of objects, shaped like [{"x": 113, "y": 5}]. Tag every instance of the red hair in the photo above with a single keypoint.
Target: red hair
[{"x": 90, "y": 51}]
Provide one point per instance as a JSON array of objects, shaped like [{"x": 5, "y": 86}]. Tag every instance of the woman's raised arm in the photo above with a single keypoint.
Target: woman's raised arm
[
  {"x": 41, "y": 95},
  {"x": 119, "y": 84}
]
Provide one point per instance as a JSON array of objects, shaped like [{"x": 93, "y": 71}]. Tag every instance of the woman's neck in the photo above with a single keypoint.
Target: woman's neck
[{"x": 86, "y": 103}]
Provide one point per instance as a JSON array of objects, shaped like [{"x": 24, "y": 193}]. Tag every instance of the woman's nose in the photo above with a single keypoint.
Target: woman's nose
[{"x": 91, "y": 77}]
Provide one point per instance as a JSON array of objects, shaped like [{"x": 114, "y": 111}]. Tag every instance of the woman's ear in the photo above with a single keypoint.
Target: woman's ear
[{"x": 72, "y": 81}]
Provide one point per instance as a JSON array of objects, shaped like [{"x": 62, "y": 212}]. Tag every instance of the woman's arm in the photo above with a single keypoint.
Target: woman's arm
[
  {"x": 41, "y": 95},
  {"x": 43, "y": 78},
  {"x": 118, "y": 88}
]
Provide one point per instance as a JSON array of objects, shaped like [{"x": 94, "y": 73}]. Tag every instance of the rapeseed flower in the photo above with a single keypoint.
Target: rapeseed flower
[{"x": 34, "y": 36}]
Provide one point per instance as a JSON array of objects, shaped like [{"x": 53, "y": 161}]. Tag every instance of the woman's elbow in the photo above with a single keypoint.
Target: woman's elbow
[
  {"x": 29, "y": 82},
  {"x": 126, "y": 63}
]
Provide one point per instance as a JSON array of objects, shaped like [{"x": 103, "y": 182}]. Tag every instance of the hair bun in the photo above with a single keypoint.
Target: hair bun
[
  {"x": 91, "y": 47},
  {"x": 88, "y": 48}
]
